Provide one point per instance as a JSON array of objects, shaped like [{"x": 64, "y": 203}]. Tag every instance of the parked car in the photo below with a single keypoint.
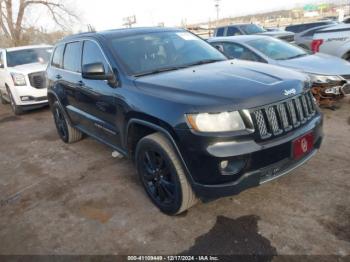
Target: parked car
[
  {"x": 197, "y": 125},
  {"x": 328, "y": 73},
  {"x": 22, "y": 77},
  {"x": 333, "y": 40},
  {"x": 251, "y": 29},
  {"x": 304, "y": 39},
  {"x": 298, "y": 28}
]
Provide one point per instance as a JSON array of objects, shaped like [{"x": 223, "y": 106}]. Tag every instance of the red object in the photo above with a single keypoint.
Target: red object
[
  {"x": 303, "y": 145},
  {"x": 315, "y": 45}
]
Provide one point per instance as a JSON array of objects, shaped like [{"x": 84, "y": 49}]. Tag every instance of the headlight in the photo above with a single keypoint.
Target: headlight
[
  {"x": 321, "y": 79},
  {"x": 18, "y": 79},
  {"x": 220, "y": 122}
]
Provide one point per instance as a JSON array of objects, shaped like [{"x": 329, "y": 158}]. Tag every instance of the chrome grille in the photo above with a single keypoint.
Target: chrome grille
[
  {"x": 37, "y": 80},
  {"x": 274, "y": 120}
]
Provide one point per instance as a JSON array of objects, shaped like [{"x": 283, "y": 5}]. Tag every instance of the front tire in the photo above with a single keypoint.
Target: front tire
[
  {"x": 163, "y": 176},
  {"x": 17, "y": 110},
  {"x": 65, "y": 130},
  {"x": 2, "y": 99}
]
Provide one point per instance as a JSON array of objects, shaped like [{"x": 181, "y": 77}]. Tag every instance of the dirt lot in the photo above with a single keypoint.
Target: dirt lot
[{"x": 77, "y": 199}]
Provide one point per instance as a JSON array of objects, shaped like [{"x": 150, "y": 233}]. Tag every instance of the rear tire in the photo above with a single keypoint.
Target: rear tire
[
  {"x": 65, "y": 130},
  {"x": 163, "y": 176}
]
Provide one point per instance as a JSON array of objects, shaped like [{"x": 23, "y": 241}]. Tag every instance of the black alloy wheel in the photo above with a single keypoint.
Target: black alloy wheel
[
  {"x": 157, "y": 177},
  {"x": 60, "y": 122}
]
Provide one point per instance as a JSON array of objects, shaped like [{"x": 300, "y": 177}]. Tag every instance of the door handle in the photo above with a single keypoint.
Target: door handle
[
  {"x": 81, "y": 83},
  {"x": 58, "y": 76}
]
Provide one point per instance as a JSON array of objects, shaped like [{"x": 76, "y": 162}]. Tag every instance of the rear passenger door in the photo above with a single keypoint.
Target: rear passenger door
[
  {"x": 100, "y": 96},
  {"x": 69, "y": 77}
]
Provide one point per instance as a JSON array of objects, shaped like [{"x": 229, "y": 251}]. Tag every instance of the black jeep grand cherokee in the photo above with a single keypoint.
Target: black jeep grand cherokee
[{"x": 197, "y": 125}]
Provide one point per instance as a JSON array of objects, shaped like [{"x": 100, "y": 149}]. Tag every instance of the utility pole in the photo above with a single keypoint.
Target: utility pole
[{"x": 217, "y": 6}]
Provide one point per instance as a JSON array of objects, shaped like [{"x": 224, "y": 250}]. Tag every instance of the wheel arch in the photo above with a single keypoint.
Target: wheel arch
[
  {"x": 150, "y": 128},
  {"x": 52, "y": 98}
]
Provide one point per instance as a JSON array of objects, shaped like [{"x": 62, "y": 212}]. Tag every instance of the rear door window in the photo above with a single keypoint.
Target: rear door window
[
  {"x": 220, "y": 31},
  {"x": 231, "y": 31},
  {"x": 57, "y": 57},
  {"x": 233, "y": 50},
  {"x": 72, "y": 57}
]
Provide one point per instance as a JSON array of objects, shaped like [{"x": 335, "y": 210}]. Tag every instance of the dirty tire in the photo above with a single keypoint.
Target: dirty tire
[
  {"x": 2, "y": 99},
  {"x": 17, "y": 110},
  {"x": 67, "y": 133},
  {"x": 184, "y": 197}
]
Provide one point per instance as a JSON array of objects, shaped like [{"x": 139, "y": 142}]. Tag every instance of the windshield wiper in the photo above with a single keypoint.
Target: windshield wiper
[
  {"x": 161, "y": 70},
  {"x": 156, "y": 71},
  {"x": 203, "y": 62}
]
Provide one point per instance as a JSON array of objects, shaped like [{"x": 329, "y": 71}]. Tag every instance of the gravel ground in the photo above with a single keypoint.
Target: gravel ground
[{"x": 77, "y": 199}]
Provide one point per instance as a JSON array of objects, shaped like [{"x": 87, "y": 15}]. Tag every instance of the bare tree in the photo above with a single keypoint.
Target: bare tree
[{"x": 12, "y": 21}]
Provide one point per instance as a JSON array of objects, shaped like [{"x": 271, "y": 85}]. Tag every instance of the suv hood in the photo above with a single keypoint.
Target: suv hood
[
  {"x": 28, "y": 68},
  {"x": 234, "y": 83},
  {"x": 320, "y": 64}
]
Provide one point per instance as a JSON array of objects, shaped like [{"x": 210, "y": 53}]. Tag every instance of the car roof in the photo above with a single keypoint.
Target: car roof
[
  {"x": 238, "y": 38},
  {"x": 26, "y": 47},
  {"x": 122, "y": 32},
  {"x": 235, "y": 25}
]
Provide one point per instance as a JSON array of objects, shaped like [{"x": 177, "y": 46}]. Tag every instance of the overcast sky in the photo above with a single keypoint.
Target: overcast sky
[{"x": 108, "y": 14}]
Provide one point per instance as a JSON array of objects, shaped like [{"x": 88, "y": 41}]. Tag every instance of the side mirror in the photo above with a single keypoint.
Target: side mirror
[{"x": 95, "y": 71}]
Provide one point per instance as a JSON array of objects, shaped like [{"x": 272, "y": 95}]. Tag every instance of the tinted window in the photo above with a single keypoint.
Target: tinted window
[
  {"x": 277, "y": 49},
  {"x": 93, "y": 54},
  {"x": 28, "y": 56},
  {"x": 72, "y": 57},
  {"x": 58, "y": 57},
  {"x": 150, "y": 52},
  {"x": 220, "y": 32},
  {"x": 252, "y": 29},
  {"x": 231, "y": 31},
  {"x": 237, "y": 51}
]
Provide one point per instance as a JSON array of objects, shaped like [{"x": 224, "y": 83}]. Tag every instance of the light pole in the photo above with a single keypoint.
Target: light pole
[{"x": 217, "y": 6}]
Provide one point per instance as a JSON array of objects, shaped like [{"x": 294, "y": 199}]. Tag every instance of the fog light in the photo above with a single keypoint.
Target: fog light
[
  {"x": 231, "y": 167},
  {"x": 26, "y": 98},
  {"x": 224, "y": 164}
]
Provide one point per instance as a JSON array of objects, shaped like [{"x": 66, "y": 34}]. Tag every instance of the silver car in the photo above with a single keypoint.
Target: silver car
[
  {"x": 305, "y": 38},
  {"x": 330, "y": 73}
]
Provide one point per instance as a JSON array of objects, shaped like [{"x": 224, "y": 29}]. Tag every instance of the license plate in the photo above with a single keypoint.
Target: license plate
[{"x": 303, "y": 145}]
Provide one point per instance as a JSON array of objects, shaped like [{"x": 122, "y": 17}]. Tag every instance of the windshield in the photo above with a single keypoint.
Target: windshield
[
  {"x": 161, "y": 51},
  {"x": 28, "y": 56},
  {"x": 252, "y": 29},
  {"x": 277, "y": 49}
]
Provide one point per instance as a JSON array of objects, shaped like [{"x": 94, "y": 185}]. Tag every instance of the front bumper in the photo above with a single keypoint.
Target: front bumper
[
  {"x": 29, "y": 97},
  {"x": 264, "y": 161}
]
